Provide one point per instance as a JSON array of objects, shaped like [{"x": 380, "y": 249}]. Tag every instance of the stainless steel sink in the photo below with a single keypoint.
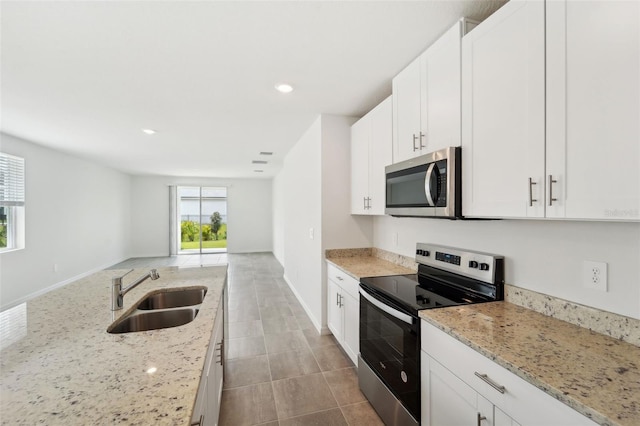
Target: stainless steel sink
[
  {"x": 173, "y": 298},
  {"x": 153, "y": 320}
]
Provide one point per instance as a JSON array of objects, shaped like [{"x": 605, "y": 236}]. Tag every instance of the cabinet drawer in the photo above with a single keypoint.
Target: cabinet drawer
[
  {"x": 521, "y": 400},
  {"x": 342, "y": 279}
]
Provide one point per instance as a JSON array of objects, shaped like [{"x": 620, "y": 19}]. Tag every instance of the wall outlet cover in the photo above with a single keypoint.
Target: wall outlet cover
[{"x": 594, "y": 275}]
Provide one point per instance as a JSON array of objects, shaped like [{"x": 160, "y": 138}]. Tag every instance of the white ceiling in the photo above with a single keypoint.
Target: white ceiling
[{"x": 86, "y": 77}]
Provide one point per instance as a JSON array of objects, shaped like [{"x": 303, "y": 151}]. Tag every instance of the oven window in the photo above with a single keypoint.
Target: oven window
[{"x": 391, "y": 348}]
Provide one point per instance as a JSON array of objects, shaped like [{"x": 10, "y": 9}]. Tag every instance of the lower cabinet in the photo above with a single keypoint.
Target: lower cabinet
[
  {"x": 460, "y": 386},
  {"x": 343, "y": 310},
  {"x": 207, "y": 408}
]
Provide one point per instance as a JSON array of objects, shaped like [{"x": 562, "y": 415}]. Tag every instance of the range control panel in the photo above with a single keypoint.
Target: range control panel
[{"x": 481, "y": 266}]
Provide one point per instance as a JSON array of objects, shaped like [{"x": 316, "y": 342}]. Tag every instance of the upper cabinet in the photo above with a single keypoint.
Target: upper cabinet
[
  {"x": 426, "y": 98},
  {"x": 370, "y": 154},
  {"x": 550, "y": 112}
]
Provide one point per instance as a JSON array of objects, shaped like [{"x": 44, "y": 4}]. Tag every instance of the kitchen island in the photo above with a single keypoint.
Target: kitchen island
[{"x": 60, "y": 366}]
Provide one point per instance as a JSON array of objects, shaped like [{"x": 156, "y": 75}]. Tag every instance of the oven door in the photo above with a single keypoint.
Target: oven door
[{"x": 390, "y": 345}]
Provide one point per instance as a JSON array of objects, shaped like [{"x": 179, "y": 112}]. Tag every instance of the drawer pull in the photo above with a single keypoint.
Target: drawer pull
[{"x": 490, "y": 382}]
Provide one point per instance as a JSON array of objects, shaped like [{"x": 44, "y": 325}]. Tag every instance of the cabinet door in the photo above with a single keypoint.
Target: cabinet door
[
  {"x": 360, "y": 135},
  {"x": 446, "y": 400},
  {"x": 351, "y": 322},
  {"x": 380, "y": 154},
  {"x": 215, "y": 377},
  {"x": 501, "y": 419},
  {"x": 406, "y": 112},
  {"x": 503, "y": 113},
  {"x": 441, "y": 113},
  {"x": 593, "y": 108},
  {"x": 334, "y": 312}
]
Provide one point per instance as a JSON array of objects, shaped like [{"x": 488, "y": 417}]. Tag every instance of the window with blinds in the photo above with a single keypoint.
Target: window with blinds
[{"x": 11, "y": 202}]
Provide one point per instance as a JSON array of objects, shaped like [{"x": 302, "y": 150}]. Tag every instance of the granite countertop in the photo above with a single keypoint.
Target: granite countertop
[
  {"x": 362, "y": 264},
  {"x": 59, "y": 365},
  {"x": 595, "y": 374}
]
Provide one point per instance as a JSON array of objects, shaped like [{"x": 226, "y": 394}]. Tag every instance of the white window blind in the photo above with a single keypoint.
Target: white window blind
[{"x": 11, "y": 180}]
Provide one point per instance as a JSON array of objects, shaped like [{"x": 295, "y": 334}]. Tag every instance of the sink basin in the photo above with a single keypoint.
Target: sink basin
[
  {"x": 173, "y": 298},
  {"x": 154, "y": 320}
]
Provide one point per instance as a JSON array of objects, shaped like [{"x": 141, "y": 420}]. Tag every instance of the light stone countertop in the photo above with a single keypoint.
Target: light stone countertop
[
  {"x": 60, "y": 366},
  {"x": 364, "y": 265},
  {"x": 595, "y": 374}
]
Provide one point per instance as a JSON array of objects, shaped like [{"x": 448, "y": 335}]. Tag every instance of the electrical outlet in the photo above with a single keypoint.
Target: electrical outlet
[
  {"x": 594, "y": 275},
  {"x": 311, "y": 233},
  {"x": 55, "y": 267}
]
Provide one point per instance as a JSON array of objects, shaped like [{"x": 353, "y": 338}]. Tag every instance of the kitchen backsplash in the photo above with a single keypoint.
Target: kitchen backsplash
[{"x": 603, "y": 322}]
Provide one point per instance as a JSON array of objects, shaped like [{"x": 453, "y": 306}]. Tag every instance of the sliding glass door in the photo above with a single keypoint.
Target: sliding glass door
[{"x": 202, "y": 214}]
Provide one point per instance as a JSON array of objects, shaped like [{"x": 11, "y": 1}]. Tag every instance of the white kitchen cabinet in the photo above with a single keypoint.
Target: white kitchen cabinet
[
  {"x": 207, "y": 407},
  {"x": 593, "y": 109},
  {"x": 461, "y": 386},
  {"x": 573, "y": 155},
  {"x": 371, "y": 145},
  {"x": 426, "y": 98},
  {"x": 343, "y": 310},
  {"x": 452, "y": 402}
]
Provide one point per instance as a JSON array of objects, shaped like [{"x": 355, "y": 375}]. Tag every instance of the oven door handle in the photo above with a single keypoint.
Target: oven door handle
[{"x": 389, "y": 310}]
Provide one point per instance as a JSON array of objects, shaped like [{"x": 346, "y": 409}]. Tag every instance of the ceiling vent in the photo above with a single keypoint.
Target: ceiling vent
[{"x": 258, "y": 162}]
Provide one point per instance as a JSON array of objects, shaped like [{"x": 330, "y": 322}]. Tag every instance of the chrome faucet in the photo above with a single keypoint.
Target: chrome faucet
[{"x": 117, "y": 292}]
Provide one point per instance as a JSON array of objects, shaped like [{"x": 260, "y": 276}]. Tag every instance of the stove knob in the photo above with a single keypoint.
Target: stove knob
[
  {"x": 473, "y": 264},
  {"x": 425, "y": 253},
  {"x": 419, "y": 252},
  {"x": 484, "y": 266}
]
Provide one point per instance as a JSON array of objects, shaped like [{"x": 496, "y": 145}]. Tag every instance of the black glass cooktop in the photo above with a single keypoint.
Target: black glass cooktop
[{"x": 417, "y": 291}]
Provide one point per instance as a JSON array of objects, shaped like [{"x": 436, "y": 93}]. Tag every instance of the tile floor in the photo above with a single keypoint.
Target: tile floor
[{"x": 279, "y": 370}]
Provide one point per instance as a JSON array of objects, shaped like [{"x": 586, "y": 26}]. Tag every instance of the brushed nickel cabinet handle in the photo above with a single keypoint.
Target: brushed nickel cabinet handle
[
  {"x": 480, "y": 419},
  {"x": 422, "y": 135},
  {"x": 551, "y": 182},
  {"x": 415, "y": 138},
  {"x": 490, "y": 382},
  {"x": 531, "y": 199}
]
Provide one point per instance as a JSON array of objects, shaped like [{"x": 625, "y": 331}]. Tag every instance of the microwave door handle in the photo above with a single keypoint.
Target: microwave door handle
[
  {"x": 394, "y": 313},
  {"x": 427, "y": 183}
]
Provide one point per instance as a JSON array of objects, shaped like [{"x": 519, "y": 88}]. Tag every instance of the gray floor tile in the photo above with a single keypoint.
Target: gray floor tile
[
  {"x": 246, "y": 371},
  {"x": 302, "y": 395},
  {"x": 316, "y": 340},
  {"x": 344, "y": 386},
  {"x": 333, "y": 417},
  {"x": 246, "y": 347},
  {"x": 361, "y": 414},
  {"x": 284, "y": 342},
  {"x": 284, "y": 365},
  {"x": 331, "y": 358},
  {"x": 245, "y": 329},
  {"x": 279, "y": 324},
  {"x": 249, "y": 405}
]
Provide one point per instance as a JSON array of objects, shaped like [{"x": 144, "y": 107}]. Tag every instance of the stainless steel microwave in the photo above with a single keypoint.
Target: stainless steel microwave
[{"x": 425, "y": 186}]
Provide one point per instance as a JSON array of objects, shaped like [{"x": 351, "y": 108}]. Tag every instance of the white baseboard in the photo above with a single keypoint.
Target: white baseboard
[
  {"x": 319, "y": 328},
  {"x": 56, "y": 286}
]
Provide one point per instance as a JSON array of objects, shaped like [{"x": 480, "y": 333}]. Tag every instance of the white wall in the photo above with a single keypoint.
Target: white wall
[
  {"x": 544, "y": 256},
  {"x": 77, "y": 217},
  {"x": 249, "y": 209},
  {"x": 301, "y": 188},
  {"x": 312, "y": 192},
  {"x": 278, "y": 217}
]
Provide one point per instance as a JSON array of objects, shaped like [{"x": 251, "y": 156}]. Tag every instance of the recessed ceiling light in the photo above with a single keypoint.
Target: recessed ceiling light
[
  {"x": 149, "y": 131},
  {"x": 284, "y": 88},
  {"x": 258, "y": 162},
  {"x": 259, "y": 171},
  {"x": 266, "y": 153}
]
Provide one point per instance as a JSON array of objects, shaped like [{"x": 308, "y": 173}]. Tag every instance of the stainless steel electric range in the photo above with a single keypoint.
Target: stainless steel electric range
[{"x": 389, "y": 360}]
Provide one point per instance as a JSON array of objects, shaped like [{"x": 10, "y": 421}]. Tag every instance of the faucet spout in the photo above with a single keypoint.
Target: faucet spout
[{"x": 117, "y": 292}]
